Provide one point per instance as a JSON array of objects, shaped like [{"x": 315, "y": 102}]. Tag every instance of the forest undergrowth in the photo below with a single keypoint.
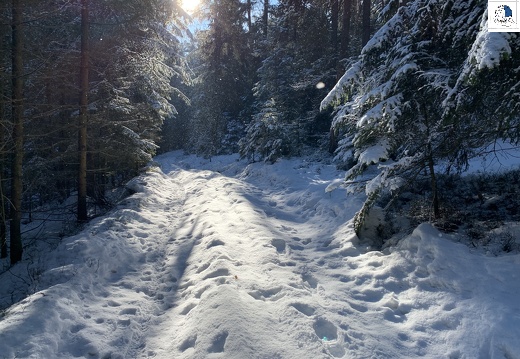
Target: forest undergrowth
[{"x": 482, "y": 208}]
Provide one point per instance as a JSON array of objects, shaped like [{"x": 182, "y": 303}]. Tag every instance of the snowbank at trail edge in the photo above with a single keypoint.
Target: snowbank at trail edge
[{"x": 224, "y": 259}]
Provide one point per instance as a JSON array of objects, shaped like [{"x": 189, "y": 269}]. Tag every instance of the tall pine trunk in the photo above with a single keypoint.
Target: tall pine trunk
[
  {"x": 366, "y": 30},
  {"x": 3, "y": 217},
  {"x": 334, "y": 21},
  {"x": 435, "y": 190},
  {"x": 83, "y": 114},
  {"x": 17, "y": 135},
  {"x": 265, "y": 16},
  {"x": 3, "y": 214},
  {"x": 3, "y": 148},
  {"x": 249, "y": 19},
  {"x": 431, "y": 166},
  {"x": 345, "y": 28}
]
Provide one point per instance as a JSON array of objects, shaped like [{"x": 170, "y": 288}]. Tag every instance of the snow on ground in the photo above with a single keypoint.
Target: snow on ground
[{"x": 221, "y": 259}]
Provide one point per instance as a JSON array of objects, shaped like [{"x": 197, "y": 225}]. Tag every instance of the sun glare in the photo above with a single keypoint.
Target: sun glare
[{"x": 190, "y": 5}]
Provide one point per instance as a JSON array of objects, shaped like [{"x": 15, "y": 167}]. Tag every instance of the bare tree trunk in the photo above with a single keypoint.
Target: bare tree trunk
[
  {"x": 345, "y": 28},
  {"x": 83, "y": 114},
  {"x": 3, "y": 217},
  {"x": 3, "y": 148},
  {"x": 17, "y": 135},
  {"x": 435, "y": 191},
  {"x": 334, "y": 14},
  {"x": 265, "y": 16},
  {"x": 431, "y": 167},
  {"x": 367, "y": 4},
  {"x": 249, "y": 20}
]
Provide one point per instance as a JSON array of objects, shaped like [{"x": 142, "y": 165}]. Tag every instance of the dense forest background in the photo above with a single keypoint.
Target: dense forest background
[{"x": 401, "y": 93}]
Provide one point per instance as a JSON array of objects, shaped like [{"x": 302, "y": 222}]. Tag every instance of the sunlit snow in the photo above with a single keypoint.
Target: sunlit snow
[{"x": 221, "y": 259}]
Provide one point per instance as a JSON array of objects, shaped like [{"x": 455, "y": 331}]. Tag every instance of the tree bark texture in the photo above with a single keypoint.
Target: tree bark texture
[
  {"x": 17, "y": 135},
  {"x": 345, "y": 28},
  {"x": 82, "y": 214},
  {"x": 334, "y": 20},
  {"x": 265, "y": 16},
  {"x": 367, "y": 4},
  {"x": 3, "y": 148}
]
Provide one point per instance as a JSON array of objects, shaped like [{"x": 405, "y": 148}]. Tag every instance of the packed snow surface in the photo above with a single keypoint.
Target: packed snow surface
[{"x": 224, "y": 259}]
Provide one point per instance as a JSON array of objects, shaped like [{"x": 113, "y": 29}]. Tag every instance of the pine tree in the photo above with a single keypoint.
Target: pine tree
[
  {"x": 286, "y": 97},
  {"x": 224, "y": 67},
  {"x": 135, "y": 63},
  {"x": 391, "y": 112},
  {"x": 484, "y": 102}
]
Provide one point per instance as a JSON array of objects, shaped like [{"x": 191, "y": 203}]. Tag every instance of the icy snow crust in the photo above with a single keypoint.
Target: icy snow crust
[{"x": 227, "y": 260}]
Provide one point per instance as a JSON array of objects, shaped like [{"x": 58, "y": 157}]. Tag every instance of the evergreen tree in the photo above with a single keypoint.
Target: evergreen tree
[
  {"x": 286, "y": 94},
  {"x": 224, "y": 69},
  {"x": 135, "y": 59},
  {"x": 484, "y": 103},
  {"x": 135, "y": 62},
  {"x": 391, "y": 100}
]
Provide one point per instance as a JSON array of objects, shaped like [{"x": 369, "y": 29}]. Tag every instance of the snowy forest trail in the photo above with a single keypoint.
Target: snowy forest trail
[
  {"x": 224, "y": 259},
  {"x": 248, "y": 272}
]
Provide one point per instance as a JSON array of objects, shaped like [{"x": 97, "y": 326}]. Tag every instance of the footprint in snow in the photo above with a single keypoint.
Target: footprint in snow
[
  {"x": 218, "y": 343},
  {"x": 113, "y": 303},
  {"x": 325, "y": 330},
  {"x": 304, "y": 308},
  {"x": 359, "y": 307},
  {"x": 310, "y": 280},
  {"x": 328, "y": 333},
  {"x": 76, "y": 328},
  {"x": 265, "y": 294},
  {"x": 279, "y": 244},
  {"x": 221, "y": 272},
  {"x": 215, "y": 243},
  {"x": 129, "y": 311},
  {"x": 188, "y": 308},
  {"x": 188, "y": 343}
]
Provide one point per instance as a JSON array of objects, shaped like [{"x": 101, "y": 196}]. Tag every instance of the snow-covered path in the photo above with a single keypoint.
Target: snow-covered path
[
  {"x": 248, "y": 272},
  {"x": 227, "y": 260}
]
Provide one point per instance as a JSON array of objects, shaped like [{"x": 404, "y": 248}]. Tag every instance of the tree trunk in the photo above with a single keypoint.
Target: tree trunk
[
  {"x": 249, "y": 20},
  {"x": 431, "y": 166},
  {"x": 3, "y": 148},
  {"x": 435, "y": 191},
  {"x": 3, "y": 217},
  {"x": 345, "y": 28},
  {"x": 17, "y": 135},
  {"x": 366, "y": 31},
  {"x": 334, "y": 23},
  {"x": 83, "y": 114},
  {"x": 265, "y": 16}
]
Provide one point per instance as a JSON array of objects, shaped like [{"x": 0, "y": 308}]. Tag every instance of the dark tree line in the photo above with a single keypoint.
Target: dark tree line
[
  {"x": 85, "y": 89},
  {"x": 261, "y": 70}
]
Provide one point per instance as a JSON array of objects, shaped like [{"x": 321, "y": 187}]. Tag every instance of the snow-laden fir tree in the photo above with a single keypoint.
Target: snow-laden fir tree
[
  {"x": 135, "y": 67},
  {"x": 486, "y": 96},
  {"x": 224, "y": 68},
  {"x": 286, "y": 98},
  {"x": 390, "y": 108}
]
